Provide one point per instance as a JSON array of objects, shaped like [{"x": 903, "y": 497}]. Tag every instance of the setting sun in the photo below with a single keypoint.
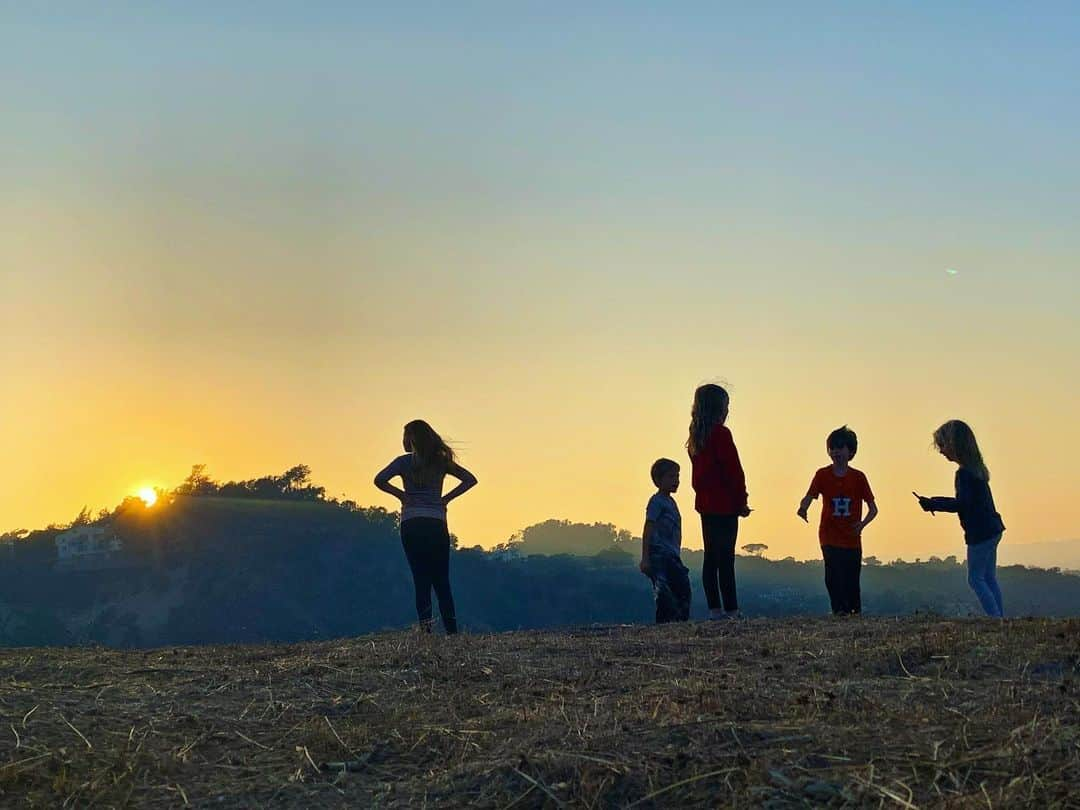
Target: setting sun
[{"x": 148, "y": 496}]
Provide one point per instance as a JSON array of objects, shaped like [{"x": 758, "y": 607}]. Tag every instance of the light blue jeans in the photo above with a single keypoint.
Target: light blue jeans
[{"x": 982, "y": 575}]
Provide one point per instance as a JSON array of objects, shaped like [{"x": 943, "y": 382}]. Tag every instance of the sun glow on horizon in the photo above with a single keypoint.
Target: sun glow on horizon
[{"x": 148, "y": 495}]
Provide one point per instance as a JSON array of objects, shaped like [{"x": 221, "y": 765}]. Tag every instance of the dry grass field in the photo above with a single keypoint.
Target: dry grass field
[{"x": 863, "y": 712}]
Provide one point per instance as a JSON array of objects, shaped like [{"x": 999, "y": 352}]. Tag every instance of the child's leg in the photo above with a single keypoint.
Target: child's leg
[
  {"x": 726, "y": 563},
  {"x": 710, "y": 565},
  {"x": 855, "y": 593},
  {"x": 412, "y": 540},
  {"x": 849, "y": 561},
  {"x": 440, "y": 576},
  {"x": 980, "y": 557},
  {"x": 679, "y": 579},
  {"x": 991, "y": 578},
  {"x": 833, "y": 577},
  {"x": 662, "y": 595}
]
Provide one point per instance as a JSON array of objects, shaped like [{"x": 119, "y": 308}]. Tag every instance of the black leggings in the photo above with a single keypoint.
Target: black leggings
[
  {"x": 427, "y": 548},
  {"x": 718, "y": 572}
]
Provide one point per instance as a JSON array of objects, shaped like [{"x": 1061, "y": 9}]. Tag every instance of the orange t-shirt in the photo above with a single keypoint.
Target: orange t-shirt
[{"x": 842, "y": 505}]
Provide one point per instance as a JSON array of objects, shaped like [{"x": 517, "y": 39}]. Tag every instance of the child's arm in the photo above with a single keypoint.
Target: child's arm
[
  {"x": 965, "y": 495},
  {"x": 871, "y": 503},
  {"x": 938, "y": 504},
  {"x": 808, "y": 498},
  {"x": 382, "y": 480},
  {"x": 646, "y": 533},
  {"x": 467, "y": 479},
  {"x": 728, "y": 458},
  {"x": 871, "y": 513}
]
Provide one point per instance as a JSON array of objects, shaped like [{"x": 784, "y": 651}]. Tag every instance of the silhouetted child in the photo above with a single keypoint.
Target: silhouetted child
[
  {"x": 720, "y": 487},
  {"x": 843, "y": 490},
  {"x": 974, "y": 503},
  {"x": 424, "y": 534},
  {"x": 661, "y": 544}
]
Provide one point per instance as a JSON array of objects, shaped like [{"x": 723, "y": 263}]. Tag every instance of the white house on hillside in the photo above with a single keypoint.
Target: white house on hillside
[{"x": 86, "y": 544}]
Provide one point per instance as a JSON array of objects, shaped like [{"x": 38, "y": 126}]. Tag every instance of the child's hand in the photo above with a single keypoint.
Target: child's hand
[
  {"x": 645, "y": 568},
  {"x": 924, "y": 502},
  {"x": 802, "y": 513},
  {"x": 746, "y": 510}
]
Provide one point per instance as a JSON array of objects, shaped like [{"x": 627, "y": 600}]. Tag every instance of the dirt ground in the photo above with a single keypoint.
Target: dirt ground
[{"x": 859, "y": 712}]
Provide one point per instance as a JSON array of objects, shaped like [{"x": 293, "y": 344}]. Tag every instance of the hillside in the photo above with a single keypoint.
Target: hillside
[
  {"x": 243, "y": 570},
  {"x": 912, "y": 712}
]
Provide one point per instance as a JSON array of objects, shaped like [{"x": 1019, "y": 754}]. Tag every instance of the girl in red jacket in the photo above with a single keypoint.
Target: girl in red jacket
[{"x": 720, "y": 488}]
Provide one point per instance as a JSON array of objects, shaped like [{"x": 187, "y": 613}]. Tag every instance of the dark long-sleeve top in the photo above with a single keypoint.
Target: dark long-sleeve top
[
  {"x": 974, "y": 503},
  {"x": 718, "y": 478}
]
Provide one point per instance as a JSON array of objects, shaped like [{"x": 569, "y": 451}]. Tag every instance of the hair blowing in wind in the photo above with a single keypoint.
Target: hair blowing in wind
[{"x": 433, "y": 456}]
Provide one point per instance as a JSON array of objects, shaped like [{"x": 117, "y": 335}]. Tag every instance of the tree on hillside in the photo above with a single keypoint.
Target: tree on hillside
[
  {"x": 614, "y": 555},
  {"x": 377, "y": 516},
  {"x": 564, "y": 537},
  {"x": 757, "y": 549},
  {"x": 269, "y": 486},
  {"x": 294, "y": 484},
  {"x": 294, "y": 478},
  {"x": 197, "y": 483}
]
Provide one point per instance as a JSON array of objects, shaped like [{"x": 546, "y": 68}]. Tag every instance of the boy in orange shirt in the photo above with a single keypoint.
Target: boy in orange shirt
[{"x": 843, "y": 490}]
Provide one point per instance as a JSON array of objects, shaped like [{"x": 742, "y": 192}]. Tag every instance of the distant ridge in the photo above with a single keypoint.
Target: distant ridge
[{"x": 1047, "y": 554}]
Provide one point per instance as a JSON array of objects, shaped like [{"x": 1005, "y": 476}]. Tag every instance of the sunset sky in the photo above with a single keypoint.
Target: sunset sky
[{"x": 271, "y": 235}]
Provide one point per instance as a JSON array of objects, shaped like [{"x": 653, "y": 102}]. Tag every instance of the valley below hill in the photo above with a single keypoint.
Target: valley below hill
[{"x": 858, "y": 712}]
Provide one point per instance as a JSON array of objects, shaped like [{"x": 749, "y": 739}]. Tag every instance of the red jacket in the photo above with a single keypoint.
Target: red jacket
[{"x": 718, "y": 477}]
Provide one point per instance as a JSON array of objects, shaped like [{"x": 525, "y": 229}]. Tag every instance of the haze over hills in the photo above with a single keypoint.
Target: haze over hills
[
  {"x": 274, "y": 560},
  {"x": 1058, "y": 553}
]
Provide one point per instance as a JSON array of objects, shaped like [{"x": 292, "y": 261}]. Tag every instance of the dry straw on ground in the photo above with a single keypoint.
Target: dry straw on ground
[{"x": 869, "y": 712}]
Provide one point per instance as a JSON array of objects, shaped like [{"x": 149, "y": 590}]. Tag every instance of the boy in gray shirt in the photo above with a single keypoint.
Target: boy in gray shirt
[{"x": 661, "y": 543}]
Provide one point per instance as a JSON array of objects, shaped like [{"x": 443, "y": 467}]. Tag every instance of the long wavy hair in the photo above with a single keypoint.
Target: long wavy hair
[
  {"x": 710, "y": 409},
  {"x": 432, "y": 456},
  {"x": 958, "y": 439}
]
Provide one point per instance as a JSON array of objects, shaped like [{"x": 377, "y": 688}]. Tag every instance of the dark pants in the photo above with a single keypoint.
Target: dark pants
[
  {"x": 671, "y": 588},
  {"x": 842, "y": 569},
  {"x": 719, "y": 533},
  {"x": 427, "y": 548}
]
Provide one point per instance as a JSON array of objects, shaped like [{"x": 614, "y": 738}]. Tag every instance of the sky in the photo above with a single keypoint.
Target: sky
[{"x": 256, "y": 235}]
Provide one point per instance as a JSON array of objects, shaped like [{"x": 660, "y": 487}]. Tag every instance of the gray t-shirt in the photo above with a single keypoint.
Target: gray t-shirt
[{"x": 666, "y": 535}]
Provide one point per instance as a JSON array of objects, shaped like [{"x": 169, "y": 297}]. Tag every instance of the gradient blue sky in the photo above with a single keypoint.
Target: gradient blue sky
[{"x": 266, "y": 233}]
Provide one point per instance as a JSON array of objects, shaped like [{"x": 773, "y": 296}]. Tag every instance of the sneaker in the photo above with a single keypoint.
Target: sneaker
[
  {"x": 716, "y": 614},
  {"x": 733, "y": 615}
]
